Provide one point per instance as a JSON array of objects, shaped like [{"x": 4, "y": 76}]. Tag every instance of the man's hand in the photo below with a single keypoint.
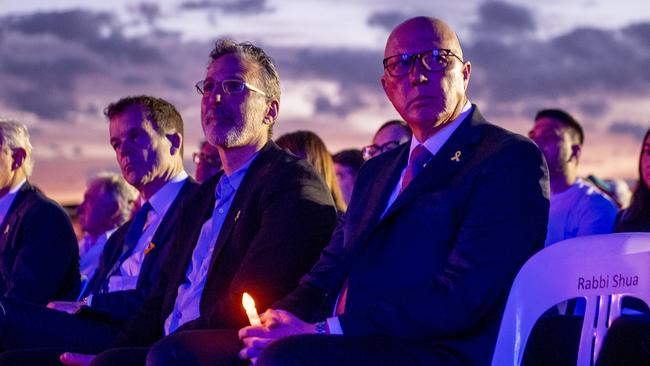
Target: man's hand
[
  {"x": 70, "y": 307},
  {"x": 76, "y": 359},
  {"x": 275, "y": 324}
]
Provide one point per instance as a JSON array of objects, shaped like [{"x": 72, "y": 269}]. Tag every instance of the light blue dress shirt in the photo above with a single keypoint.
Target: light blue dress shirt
[{"x": 188, "y": 299}]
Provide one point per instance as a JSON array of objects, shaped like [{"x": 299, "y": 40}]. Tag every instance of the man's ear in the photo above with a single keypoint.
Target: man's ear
[
  {"x": 176, "y": 140},
  {"x": 576, "y": 151},
  {"x": 18, "y": 155},
  {"x": 272, "y": 112},
  {"x": 467, "y": 71},
  {"x": 383, "y": 83}
]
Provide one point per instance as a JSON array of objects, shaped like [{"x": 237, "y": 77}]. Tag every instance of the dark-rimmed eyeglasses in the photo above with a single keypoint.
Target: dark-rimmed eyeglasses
[
  {"x": 371, "y": 151},
  {"x": 432, "y": 60},
  {"x": 230, "y": 86},
  {"x": 199, "y": 157}
]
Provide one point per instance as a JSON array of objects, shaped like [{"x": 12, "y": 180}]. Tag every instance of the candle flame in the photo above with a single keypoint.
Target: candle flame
[{"x": 248, "y": 302}]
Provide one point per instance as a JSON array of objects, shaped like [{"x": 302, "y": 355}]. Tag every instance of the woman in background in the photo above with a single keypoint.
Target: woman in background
[
  {"x": 307, "y": 145},
  {"x": 637, "y": 217}
]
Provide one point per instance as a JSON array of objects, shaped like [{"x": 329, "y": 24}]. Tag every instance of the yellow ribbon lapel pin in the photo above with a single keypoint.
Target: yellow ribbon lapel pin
[
  {"x": 149, "y": 248},
  {"x": 456, "y": 157}
]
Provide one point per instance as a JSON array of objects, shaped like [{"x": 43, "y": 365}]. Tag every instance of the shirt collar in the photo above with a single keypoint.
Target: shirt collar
[
  {"x": 8, "y": 198},
  {"x": 435, "y": 142},
  {"x": 161, "y": 200},
  {"x": 237, "y": 176}
]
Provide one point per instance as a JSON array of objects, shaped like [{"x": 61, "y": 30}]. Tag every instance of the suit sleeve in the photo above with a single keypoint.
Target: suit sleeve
[
  {"x": 314, "y": 299},
  {"x": 503, "y": 224},
  {"x": 48, "y": 251},
  {"x": 296, "y": 219},
  {"x": 118, "y": 305}
]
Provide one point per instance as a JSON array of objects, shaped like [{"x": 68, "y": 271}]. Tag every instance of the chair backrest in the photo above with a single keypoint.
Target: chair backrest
[{"x": 600, "y": 268}]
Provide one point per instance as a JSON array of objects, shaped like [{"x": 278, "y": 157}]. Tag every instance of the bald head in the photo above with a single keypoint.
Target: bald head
[
  {"x": 425, "y": 75},
  {"x": 420, "y": 30}
]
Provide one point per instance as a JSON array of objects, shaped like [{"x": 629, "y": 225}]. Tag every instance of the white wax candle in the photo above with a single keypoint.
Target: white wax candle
[{"x": 251, "y": 311}]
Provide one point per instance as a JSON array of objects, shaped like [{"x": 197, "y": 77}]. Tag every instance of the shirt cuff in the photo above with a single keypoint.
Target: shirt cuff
[
  {"x": 334, "y": 325},
  {"x": 89, "y": 300}
]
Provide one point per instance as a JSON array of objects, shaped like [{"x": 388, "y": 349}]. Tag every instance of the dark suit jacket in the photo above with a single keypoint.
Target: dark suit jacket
[
  {"x": 281, "y": 217},
  {"x": 437, "y": 268},
  {"x": 39, "y": 256},
  {"x": 121, "y": 305}
]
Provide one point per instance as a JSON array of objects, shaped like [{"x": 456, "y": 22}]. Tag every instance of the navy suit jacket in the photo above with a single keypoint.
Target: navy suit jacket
[
  {"x": 39, "y": 256},
  {"x": 121, "y": 305},
  {"x": 436, "y": 269},
  {"x": 281, "y": 217}
]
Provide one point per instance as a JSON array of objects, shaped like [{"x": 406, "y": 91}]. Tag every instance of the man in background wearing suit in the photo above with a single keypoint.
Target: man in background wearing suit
[
  {"x": 39, "y": 257},
  {"x": 435, "y": 232},
  {"x": 262, "y": 221},
  {"x": 147, "y": 136}
]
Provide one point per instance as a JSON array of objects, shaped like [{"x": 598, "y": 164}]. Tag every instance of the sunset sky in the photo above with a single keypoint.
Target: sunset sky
[{"x": 62, "y": 62}]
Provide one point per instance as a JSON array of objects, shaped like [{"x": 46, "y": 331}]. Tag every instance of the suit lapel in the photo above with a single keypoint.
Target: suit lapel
[
  {"x": 454, "y": 154},
  {"x": 13, "y": 215},
  {"x": 162, "y": 234},
  {"x": 380, "y": 191},
  {"x": 255, "y": 172}
]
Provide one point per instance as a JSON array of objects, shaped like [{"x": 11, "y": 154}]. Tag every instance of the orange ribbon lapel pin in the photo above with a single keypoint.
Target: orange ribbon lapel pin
[{"x": 149, "y": 248}]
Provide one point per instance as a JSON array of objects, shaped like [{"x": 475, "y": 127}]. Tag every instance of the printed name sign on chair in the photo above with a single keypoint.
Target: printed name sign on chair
[{"x": 600, "y": 268}]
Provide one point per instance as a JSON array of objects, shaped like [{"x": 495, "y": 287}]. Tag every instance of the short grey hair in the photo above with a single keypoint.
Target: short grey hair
[
  {"x": 269, "y": 74},
  {"x": 123, "y": 192},
  {"x": 14, "y": 134}
]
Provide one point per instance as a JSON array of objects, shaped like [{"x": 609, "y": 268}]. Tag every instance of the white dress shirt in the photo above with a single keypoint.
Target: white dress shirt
[{"x": 160, "y": 203}]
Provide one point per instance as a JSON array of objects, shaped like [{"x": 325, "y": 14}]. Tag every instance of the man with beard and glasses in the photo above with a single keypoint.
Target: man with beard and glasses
[{"x": 262, "y": 221}]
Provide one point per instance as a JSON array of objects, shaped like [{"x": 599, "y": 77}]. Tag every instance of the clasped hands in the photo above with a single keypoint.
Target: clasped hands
[{"x": 275, "y": 324}]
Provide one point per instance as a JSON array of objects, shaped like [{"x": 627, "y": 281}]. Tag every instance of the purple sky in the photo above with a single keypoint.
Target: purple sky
[{"x": 62, "y": 62}]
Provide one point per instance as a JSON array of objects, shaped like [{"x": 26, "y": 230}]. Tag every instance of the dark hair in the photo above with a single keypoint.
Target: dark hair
[
  {"x": 352, "y": 158},
  {"x": 269, "y": 76},
  {"x": 565, "y": 118},
  {"x": 396, "y": 122},
  {"x": 307, "y": 145},
  {"x": 639, "y": 209},
  {"x": 163, "y": 115}
]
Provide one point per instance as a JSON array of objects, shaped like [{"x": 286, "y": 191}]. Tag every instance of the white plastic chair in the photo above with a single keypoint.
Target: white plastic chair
[{"x": 601, "y": 268}]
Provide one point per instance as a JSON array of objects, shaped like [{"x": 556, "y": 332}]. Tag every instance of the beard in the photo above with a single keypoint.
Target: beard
[{"x": 229, "y": 130}]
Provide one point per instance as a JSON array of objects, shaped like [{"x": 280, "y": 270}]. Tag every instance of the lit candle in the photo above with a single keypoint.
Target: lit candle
[{"x": 251, "y": 312}]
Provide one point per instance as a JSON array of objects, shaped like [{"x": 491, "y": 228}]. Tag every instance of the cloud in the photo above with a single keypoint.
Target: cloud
[
  {"x": 347, "y": 67},
  {"x": 502, "y": 17},
  {"x": 580, "y": 64},
  {"x": 99, "y": 32},
  {"x": 594, "y": 108},
  {"x": 240, "y": 7},
  {"x": 634, "y": 129},
  {"x": 386, "y": 20},
  {"x": 348, "y": 102},
  {"x": 355, "y": 72},
  {"x": 44, "y": 56},
  {"x": 639, "y": 32},
  {"x": 149, "y": 11}
]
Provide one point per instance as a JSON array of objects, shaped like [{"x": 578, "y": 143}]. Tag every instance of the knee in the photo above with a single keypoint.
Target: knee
[
  {"x": 167, "y": 352},
  {"x": 289, "y": 351}
]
